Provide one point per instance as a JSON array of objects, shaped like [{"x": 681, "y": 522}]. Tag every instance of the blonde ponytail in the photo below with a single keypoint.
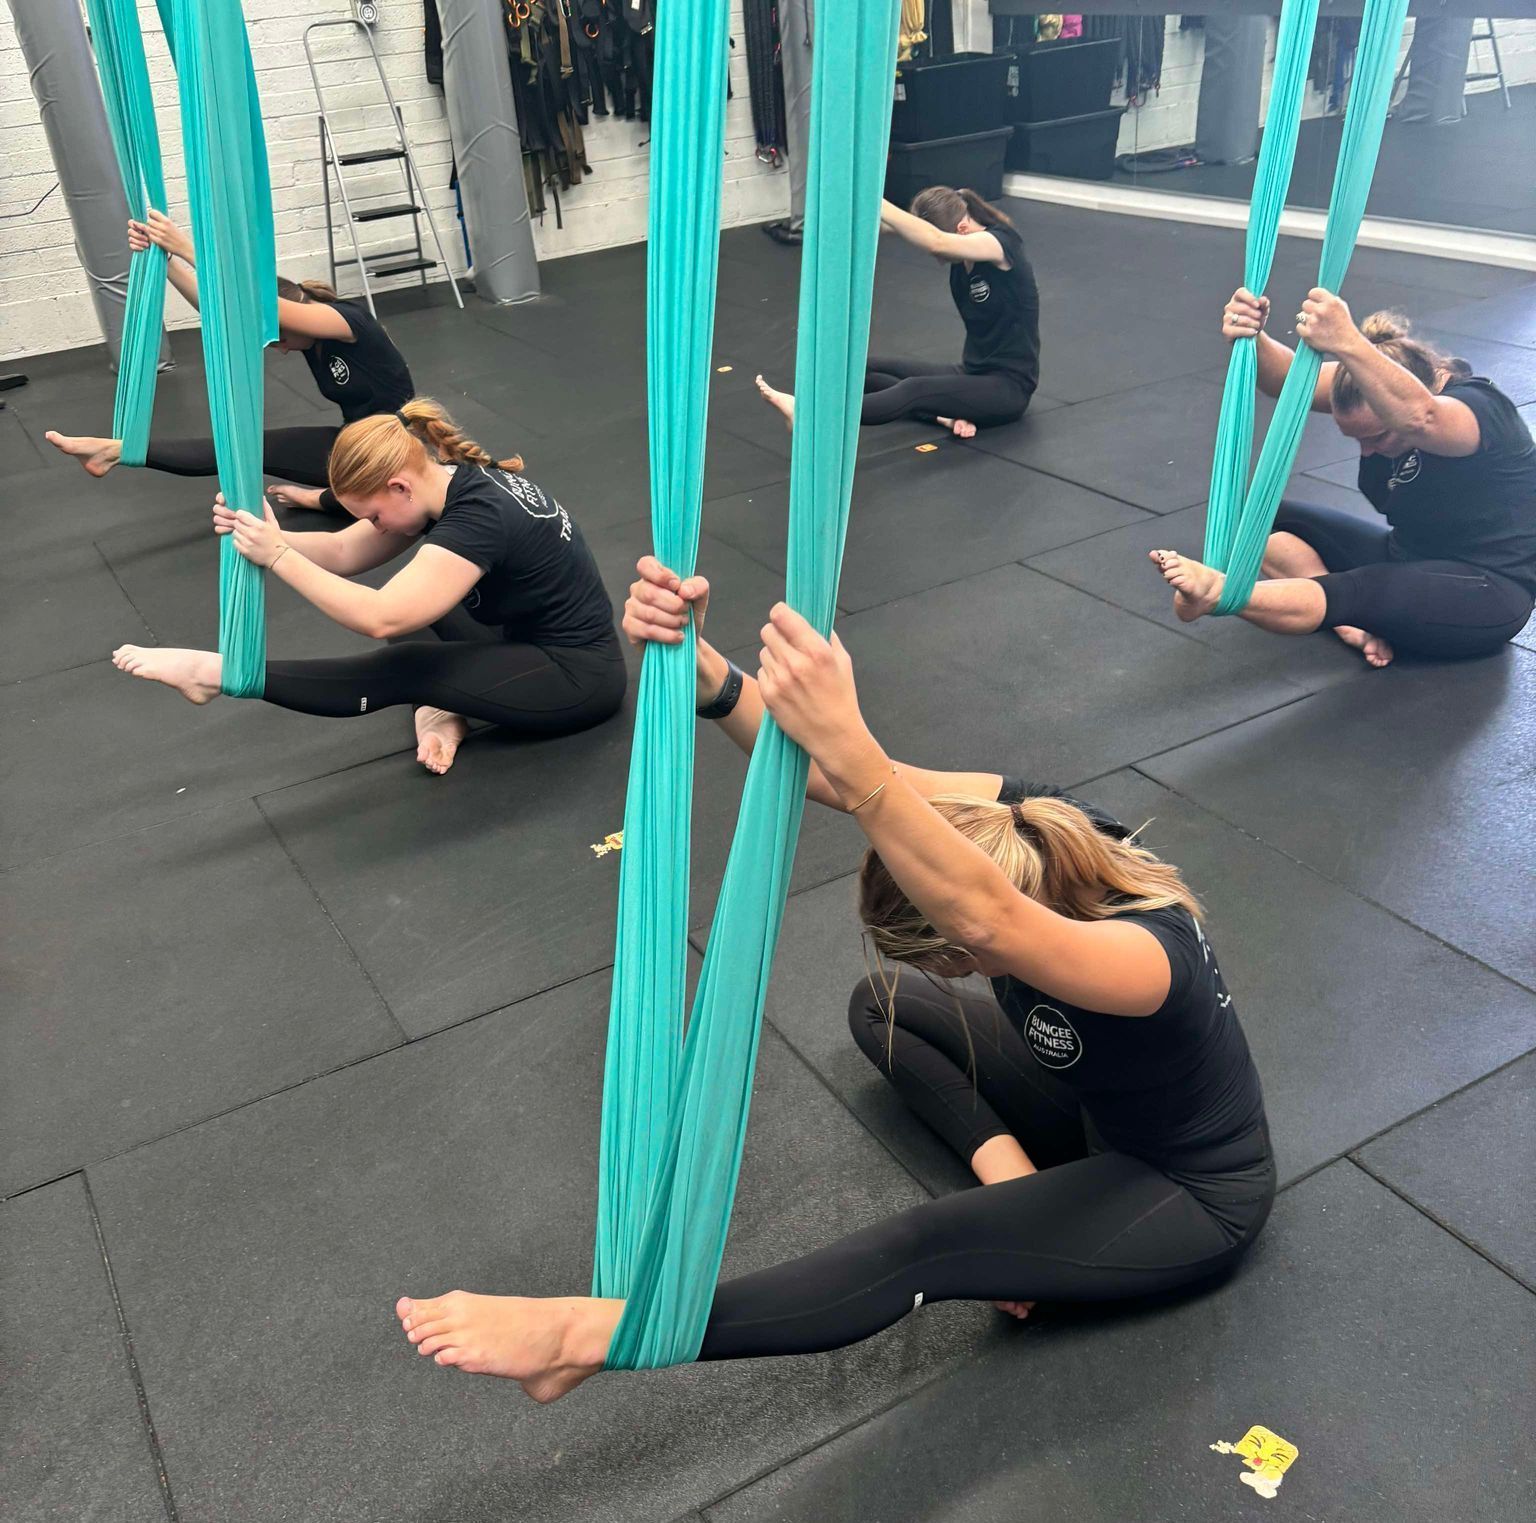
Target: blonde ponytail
[
  {"x": 368, "y": 454},
  {"x": 1392, "y": 334},
  {"x": 1048, "y": 849}
]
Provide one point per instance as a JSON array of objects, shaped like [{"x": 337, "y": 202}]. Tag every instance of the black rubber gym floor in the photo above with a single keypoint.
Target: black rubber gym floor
[{"x": 291, "y": 1027}]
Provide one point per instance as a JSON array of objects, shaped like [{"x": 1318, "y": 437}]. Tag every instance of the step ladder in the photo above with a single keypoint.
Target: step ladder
[
  {"x": 1497, "y": 72},
  {"x": 411, "y": 258}
]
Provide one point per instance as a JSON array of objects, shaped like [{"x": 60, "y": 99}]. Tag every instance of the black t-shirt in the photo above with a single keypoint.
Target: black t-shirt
[
  {"x": 366, "y": 376},
  {"x": 1480, "y": 508},
  {"x": 541, "y": 584},
  {"x": 1178, "y": 1081},
  {"x": 1001, "y": 312}
]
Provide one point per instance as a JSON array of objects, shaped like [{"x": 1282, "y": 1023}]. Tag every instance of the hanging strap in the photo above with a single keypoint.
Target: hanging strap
[
  {"x": 231, "y": 199},
  {"x": 685, "y": 1188},
  {"x": 1238, "y": 524},
  {"x": 119, "y": 47}
]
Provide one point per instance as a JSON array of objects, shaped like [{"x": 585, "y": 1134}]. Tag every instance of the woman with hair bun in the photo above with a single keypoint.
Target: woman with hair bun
[
  {"x": 354, "y": 362},
  {"x": 1104, "y": 1097},
  {"x": 1446, "y": 565},
  {"x": 501, "y": 576},
  {"x": 994, "y": 290}
]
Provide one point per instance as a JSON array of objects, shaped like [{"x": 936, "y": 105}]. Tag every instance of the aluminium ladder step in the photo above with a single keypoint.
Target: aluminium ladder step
[
  {"x": 379, "y": 213},
  {"x": 370, "y": 155}
]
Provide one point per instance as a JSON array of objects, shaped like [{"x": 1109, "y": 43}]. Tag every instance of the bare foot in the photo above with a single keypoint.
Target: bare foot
[
  {"x": 961, "y": 428},
  {"x": 194, "y": 674},
  {"x": 1019, "y": 1309},
  {"x": 1195, "y": 587},
  {"x": 1375, "y": 650},
  {"x": 98, "y": 456},
  {"x": 548, "y": 1346},
  {"x": 782, "y": 400},
  {"x": 294, "y": 497},
  {"x": 439, "y": 735}
]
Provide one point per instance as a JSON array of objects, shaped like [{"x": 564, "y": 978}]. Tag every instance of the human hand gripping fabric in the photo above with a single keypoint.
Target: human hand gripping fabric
[
  {"x": 1324, "y": 323},
  {"x": 259, "y": 540},
  {"x": 807, "y": 685},
  {"x": 1244, "y": 316},
  {"x": 158, "y": 229},
  {"x": 658, "y": 603}
]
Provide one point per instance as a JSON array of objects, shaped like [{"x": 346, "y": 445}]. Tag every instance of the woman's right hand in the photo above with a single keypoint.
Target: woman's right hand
[
  {"x": 158, "y": 229},
  {"x": 223, "y": 516},
  {"x": 658, "y": 604},
  {"x": 1244, "y": 316}
]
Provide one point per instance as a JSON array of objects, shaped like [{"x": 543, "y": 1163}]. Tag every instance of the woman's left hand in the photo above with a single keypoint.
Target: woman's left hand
[
  {"x": 1324, "y": 322},
  {"x": 258, "y": 539},
  {"x": 807, "y": 684}
]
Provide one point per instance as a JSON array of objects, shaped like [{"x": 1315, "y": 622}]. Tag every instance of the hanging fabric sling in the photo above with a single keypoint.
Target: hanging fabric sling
[
  {"x": 119, "y": 47},
  {"x": 675, "y": 1110},
  {"x": 1238, "y": 522}
]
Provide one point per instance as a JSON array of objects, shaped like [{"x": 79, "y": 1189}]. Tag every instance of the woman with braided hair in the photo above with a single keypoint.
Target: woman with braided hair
[{"x": 522, "y": 628}]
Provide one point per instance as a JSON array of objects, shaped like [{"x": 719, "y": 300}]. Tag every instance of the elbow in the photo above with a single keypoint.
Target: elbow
[{"x": 382, "y": 627}]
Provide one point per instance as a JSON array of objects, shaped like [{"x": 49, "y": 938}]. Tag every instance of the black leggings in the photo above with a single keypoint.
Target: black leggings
[
  {"x": 294, "y": 454},
  {"x": 468, "y": 670},
  {"x": 1090, "y": 1226},
  {"x": 916, "y": 389},
  {"x": 1434, "y": 608}
]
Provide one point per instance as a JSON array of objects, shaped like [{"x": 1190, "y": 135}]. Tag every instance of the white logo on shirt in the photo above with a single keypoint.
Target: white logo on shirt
[
  {"x": 980, "y": 290},
  {"x": 339, "y": 372},
  {"x": 533, "y": 500},
  {"x": 1052, "y": 1037},
  {"x": 1404, "y": 470}
]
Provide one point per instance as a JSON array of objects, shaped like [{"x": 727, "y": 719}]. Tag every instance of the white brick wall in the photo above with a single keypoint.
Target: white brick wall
[
  {"x": 1167, "y": 119},
  {"x": 44, "y": 301}
]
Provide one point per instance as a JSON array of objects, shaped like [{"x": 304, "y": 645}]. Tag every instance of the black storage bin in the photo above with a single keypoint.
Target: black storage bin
[
  {"x": 950, "y": 97},
  {"x": 1079, "y": 147},
  {"x": 974, "y": 161},
  {"x": 1055, "y": 80}
]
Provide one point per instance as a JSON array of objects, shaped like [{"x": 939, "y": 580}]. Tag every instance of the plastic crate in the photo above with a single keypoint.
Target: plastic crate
[
  {"x": 1056, "y": 80},
  {"x": 974, "y": 161},
  {"x": 1076, "y": 147},
  {"x": 950, "y": 97}
]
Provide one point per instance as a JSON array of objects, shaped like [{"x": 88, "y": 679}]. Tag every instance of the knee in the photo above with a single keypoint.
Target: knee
[{"x": 870, "y": 1025}]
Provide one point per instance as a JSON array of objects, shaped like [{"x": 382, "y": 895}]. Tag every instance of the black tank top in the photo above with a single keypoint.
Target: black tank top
[
  {"x": 1163, "y": 1086},
  {"x": 1001, "y": 312},
  {"x": 367, "y": 376}
]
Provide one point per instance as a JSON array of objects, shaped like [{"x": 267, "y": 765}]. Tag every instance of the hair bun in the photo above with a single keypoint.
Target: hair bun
[{"x": 1384, "y": 327}]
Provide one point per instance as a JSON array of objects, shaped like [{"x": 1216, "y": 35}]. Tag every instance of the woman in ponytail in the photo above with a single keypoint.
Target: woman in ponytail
[
  {"x": 499, "y": 615},
  {"x": 1445, "y": 565},
  {"x": 354, "y": 363},
  {"x": 994, "y": 290},
  {"x": 1103, "y": 1096}
]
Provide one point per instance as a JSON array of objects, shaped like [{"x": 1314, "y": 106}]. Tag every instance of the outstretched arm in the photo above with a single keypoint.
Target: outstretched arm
[
  {"x": 970, "y": 248},
  {"x": 660, "y": 605}
]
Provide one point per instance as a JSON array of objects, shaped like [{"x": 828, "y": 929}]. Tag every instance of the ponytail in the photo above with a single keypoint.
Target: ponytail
[
  {"x": 944, "y": 208},
  {"x": 1391, "y": 333},
  {"x": 368, "y": 454},
  {"x": 1048, "y": 849}
]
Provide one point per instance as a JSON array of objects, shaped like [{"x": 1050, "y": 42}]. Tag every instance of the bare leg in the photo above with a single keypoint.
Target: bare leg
[
  {"x": 1287, "y": 555},
  {"x": 98, "y": 456},
  {"x": 961, "y": 428},
  {"x": 439, "y": 735},
  {"x": 294, "y": 497},
  {"x": 548, "y": 1345},
  {"x": 195, "y": 674},
  {"x": 782, "y": 401},
  {"x": 996, "y": 1160}
]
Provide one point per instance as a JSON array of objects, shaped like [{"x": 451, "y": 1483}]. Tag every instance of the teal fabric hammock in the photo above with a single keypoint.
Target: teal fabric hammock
[
  {"x": 674, "y": 1109},
  {"x": 1238, "y": 521},
  {"x": 231, "y": 199},
  {"x": 131, "y": 119}
]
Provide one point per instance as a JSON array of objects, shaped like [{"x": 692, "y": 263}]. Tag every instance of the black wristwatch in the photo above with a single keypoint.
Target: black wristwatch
[{"x": 730, "y": 691}]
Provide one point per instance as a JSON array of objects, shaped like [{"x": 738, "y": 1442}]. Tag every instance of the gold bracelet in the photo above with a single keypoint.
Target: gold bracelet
[
  {"x": 276, "y": 558},
  {"x": 854, "y": 809}
]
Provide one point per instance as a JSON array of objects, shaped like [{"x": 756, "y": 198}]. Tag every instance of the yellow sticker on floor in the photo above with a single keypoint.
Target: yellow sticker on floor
[
  {"x": 1267, "y": 1455},
  {"x": 724, "y": 369},
  {"x": 611, "y": 842},
  {"x": 925, "y": 449}
]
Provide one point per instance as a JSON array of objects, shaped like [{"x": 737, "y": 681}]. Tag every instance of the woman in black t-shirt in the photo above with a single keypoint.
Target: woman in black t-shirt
[
  {"x": 501, "y": 576},
  {"x": 353, "y": 361},
  {"x": 1105, "y": 1097},
  {"x": 1446, "y": 566},
  {"x": 995, "y": 293}
]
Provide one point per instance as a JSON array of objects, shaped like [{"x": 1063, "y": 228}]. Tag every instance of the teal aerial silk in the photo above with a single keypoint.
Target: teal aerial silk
[
  {"x": 674, "y": 1127},
  {"x": 1238, "y": 522},
  {"x": 231, "y": 198},
  {"x": 131, "y": 118}
]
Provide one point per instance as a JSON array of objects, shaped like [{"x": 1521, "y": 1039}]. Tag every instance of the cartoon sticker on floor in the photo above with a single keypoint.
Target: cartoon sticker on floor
[
  {"x": 611, "y": 842},
  {"x": 1267, "y": 1455}
]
